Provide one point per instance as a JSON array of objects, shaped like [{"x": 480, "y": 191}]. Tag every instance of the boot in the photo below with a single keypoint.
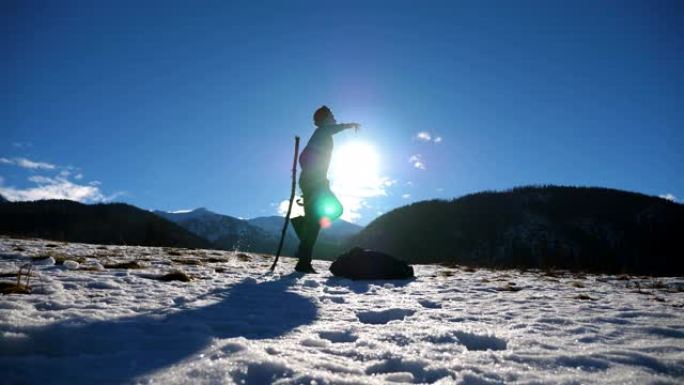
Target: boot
[{"x": 304, "y": 266}]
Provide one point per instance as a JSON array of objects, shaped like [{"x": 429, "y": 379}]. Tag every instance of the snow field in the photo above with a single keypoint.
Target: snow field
[{"x": 90, "y": 322}]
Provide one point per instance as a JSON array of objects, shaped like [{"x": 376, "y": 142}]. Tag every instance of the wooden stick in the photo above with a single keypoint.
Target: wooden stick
[{"x": 289, "y": 207}]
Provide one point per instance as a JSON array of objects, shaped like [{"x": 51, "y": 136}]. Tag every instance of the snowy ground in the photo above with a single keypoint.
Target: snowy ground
[{"x": 232, "y": 323}]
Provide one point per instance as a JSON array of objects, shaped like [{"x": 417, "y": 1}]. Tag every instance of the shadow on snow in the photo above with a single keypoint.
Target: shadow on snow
[
  {"x": 119, "y": 350},
  {"x": 363, "y": 286}
]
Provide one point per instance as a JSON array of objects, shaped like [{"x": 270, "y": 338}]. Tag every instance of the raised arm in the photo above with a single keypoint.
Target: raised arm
[{"x": 343, "y": 126}]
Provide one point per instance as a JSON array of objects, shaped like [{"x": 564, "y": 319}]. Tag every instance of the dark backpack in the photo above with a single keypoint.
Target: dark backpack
[{"x": 360, "y": 263}]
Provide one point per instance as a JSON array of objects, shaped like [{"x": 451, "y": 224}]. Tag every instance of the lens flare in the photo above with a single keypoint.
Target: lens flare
[
  {"x": 325, "y": 222},
  {"x": 328, "y": 206}
]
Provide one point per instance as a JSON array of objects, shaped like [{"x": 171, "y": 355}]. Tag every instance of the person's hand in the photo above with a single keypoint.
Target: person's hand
[{"x": 355, "y": 126}]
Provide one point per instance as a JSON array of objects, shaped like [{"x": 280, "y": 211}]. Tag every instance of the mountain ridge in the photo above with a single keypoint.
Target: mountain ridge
[
  {"x": 260, "y": 234},
  {"x": 582, "y": 228},
  {"x": 224, "y": 231},
  {"x": 102, "y": 223}
]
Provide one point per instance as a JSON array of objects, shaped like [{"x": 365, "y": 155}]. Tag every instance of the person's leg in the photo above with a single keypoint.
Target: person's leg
[
  {"x": 306, "y": 246},
  {"x": 298, "y": 226},
  {"x": 309, "y": 233}
]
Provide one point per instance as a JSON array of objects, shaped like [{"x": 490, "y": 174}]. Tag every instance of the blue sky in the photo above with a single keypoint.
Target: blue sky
[{"x": 174, "y": 105}]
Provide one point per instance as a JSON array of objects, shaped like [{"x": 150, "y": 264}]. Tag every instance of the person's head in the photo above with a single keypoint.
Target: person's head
[{"x": 323, "y": 116}]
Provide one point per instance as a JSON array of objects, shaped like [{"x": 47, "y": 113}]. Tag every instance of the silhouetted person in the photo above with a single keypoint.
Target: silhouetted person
[{"x": 321, "y": 207}]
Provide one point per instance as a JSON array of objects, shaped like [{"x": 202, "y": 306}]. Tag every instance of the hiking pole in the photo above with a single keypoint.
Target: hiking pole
[{"x": 289, "y": 207}]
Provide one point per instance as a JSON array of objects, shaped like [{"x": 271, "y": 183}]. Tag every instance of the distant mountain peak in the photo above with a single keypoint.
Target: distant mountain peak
[{"x": 3, "y": 199}]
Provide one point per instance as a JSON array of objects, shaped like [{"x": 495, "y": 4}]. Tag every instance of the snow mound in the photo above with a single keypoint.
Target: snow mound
[
  {"x": 70, "y": 265},
  {"x": 383, "y": 316},
  {"x": 474, "y": 341},
  {"x": 338, "y": 336}
]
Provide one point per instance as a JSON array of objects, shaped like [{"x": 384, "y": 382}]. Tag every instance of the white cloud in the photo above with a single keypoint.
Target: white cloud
[
  {"x": 297, "y": 210},
  {"x": 352, "y": 206},
  {"x": 55, "y": 188},
  {"x": 417, "y": 161},
  {"x": 424, "y": 136},
  {"x": 39, "y": 179},
  {"x": 406, "y": 196},
  {"x": 669, "y": 197},
  {"x": 354, "y": 198},
  {"x": 182, "y": 211},
  {"x": 28, "y": 163},
  {"x": 58, "y": 186}
]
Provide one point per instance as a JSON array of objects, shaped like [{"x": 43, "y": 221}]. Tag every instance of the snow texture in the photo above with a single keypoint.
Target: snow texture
[{"x": 91, "y": 322}]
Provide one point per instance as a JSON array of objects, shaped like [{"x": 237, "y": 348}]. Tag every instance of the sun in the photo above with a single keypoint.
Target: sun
[
  {"x": 355, "y": 176},
  {"x": 354, "y": 165}
]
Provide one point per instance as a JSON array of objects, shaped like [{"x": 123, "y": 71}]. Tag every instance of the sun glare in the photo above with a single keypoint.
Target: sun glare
[
  {"x": 354, "y": 164},
  {"x": 355, "y": 176}
]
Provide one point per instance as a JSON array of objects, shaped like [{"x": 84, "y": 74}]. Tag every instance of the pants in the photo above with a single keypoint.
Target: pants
[{"x": 313, "y": 194}]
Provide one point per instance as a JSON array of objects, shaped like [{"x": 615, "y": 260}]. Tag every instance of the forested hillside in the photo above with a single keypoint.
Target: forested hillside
[
  {"x": 595, "y": 229},
  {"x": 114, "y": 223}
]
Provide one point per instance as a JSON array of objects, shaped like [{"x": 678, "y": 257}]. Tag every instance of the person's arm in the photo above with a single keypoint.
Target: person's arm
[{"x": 343, "y": 126}]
